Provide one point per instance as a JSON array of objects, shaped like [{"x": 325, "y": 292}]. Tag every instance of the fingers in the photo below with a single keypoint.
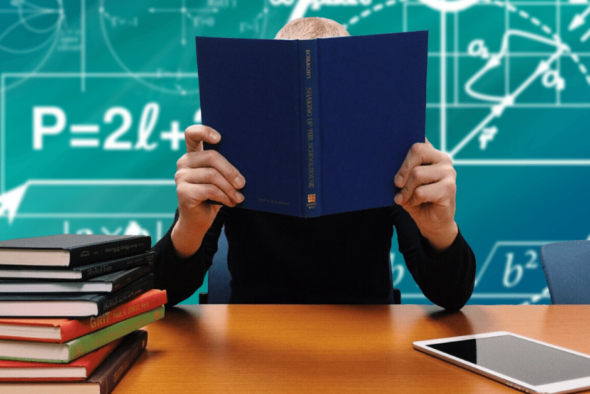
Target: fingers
[
  {"x": 419, "y": 154},
  {"x": 440, "y": 193},
  {"x": 205, "y": 175},
  {"x": 197, "y": 193},
  {"x": 212, "y": 159},
  {"x": 195, "y": 135},
  {"x": 424, "y": 175},
  {"x": 210, "y": 176},
  {"x": 214, "y": 177}
]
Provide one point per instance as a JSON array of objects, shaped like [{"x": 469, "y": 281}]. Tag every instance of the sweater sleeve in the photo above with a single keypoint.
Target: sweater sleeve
[
  {"x": 446, "y": 278},
  {"x": 179, "y": 276}
]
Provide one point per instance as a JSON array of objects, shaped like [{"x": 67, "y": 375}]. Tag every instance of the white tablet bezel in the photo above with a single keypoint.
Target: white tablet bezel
[{"x": 567, "y": 386}]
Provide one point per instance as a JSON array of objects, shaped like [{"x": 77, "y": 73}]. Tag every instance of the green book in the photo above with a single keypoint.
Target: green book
[{"x": 69, "y": 351}]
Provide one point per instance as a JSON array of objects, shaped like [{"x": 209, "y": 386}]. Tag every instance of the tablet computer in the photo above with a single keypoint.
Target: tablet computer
[{"x": 523, "y": 363}]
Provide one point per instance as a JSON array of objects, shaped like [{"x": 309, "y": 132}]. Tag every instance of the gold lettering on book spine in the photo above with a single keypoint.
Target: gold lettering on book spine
[
  {"x": 101, "y": 320},
  {"x": 311, "y": 199},
  {"x": 125, "y": 366},
  {"x": 308, "y": 63}
]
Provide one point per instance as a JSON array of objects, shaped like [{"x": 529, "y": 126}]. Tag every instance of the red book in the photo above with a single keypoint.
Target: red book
[
  {"x": 102, "y": 381},
  {"x": 64, "y": 330},
  {"x": 80, "y": 369}
]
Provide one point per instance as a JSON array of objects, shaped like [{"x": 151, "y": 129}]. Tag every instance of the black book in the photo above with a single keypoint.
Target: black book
[
  {"x": 77, "y": 273},
  {"x": 68, "y": 305},
  {"x": 102, "y": 381},
  {"x": 101, "y": 284},
  {"x": 70, "y": 250},
  {"x": 112, "y": 370}
]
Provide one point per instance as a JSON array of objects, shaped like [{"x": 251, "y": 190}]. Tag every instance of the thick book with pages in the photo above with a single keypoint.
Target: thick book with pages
[
  {"x": 80, "y": 369},
  {"x": 76, "y": 348},
  {"x": 71, "y": 305},
  {"x": 316, "y": 127},
  {"x": 76, "y": 273},
  {"x": 101, "y": 284},
  {"x": 64, "y": 330},
  {"x": 70, "y": 250}
]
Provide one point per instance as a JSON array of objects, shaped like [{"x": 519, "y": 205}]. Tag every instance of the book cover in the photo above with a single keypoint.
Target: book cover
[
  {"x": 70, "y": 250},
  {"x": 76, "y": 348},
  {"x": 64, "y": 330},
  {"x": 102, "y": 381},
  {"x": 80, "y": 369},
  {"x": 101, "y": 284},
  {"x": 316, "y": 127},
  {"x": 112, "y": 370},
  {"x": 76, "y": 273},
  {"x": 71, "y": 305}
]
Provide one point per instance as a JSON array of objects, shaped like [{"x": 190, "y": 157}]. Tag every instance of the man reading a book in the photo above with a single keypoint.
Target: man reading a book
[{"x": 340, "y": 258}]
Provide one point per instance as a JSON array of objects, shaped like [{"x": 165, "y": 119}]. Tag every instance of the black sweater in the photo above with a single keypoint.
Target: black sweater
[{"x": 342, "y": 258}]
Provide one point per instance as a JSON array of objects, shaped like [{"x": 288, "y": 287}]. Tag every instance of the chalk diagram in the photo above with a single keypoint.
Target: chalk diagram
[
  {"x": 531, "y": 61},
  {"x": 497, "y": 65},
  {"x": 124, "y": 27},
  {"x": 28, "y": 31},
  {"x": 550, "y": 38}
]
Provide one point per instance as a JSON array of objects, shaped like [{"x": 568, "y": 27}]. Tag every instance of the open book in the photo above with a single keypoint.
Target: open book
[{"x": 316, "y": 127}]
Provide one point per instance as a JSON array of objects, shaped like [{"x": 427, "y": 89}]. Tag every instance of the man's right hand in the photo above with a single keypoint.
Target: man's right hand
[{"x": 202, "y": 176}]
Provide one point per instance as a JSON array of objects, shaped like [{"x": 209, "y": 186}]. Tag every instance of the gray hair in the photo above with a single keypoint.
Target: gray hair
[{"x": 309, "y": 28}]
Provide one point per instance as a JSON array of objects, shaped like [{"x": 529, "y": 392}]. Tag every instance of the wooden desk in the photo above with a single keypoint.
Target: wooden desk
[{"x": 281, "y": 348}]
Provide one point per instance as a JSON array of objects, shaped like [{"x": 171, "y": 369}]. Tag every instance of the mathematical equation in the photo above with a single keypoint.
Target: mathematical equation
[
  {"x": 83, "y": 135},
  {"x": 51, "y": 121},
  {"x": 512, "y": 272}
]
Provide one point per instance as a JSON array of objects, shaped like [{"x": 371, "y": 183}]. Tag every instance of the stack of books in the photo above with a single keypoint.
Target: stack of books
[{"x": 71, "y": 307}]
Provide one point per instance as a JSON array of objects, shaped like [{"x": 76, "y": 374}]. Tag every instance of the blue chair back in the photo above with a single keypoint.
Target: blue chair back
[{"x": 567, "y": 269}]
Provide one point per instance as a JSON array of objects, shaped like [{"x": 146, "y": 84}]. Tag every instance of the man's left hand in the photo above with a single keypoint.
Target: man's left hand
[{"x": 427, "y": 182}]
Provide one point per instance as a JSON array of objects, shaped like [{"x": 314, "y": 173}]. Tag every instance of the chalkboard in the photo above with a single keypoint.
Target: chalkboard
[{"x": 95, "y": 95}]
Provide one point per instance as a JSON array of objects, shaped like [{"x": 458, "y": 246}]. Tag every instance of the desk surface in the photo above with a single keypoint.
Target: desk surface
[{"x": 325, "y": 348}]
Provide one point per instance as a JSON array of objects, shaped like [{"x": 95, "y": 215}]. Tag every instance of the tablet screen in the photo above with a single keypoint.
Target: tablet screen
[{"x": 519, "y": 358}]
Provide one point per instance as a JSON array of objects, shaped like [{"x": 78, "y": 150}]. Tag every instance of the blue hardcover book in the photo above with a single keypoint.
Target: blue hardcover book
[{"x": 316, "y": 127}]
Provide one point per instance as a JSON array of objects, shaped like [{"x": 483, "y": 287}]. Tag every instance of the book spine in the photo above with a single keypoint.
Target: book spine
[
  {"x": 108, "y": 250},
  {"x": 95, "y": 270},
  {"x": 112, "y": 300},
  {"x": 86, "y": 344},
  {"x": 115, "y": 367},
  {"x": 144, "y": 303},
  {"x": 89, "y": 362},
  {"x": 137, "y": 273},
  {"x": 308, "y": 58}
]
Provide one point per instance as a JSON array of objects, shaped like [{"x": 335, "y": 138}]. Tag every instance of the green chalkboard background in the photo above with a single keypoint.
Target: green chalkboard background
[{"x": 95, "y": 95}]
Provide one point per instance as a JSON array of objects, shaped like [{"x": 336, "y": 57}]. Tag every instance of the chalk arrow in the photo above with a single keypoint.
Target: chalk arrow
[
  {"x": 493, "y": 62},
  {"x": 508, "y": 101},
  {"x": 498, "y": 110},
  {"x": 543, "y": 67},
  {"x": 579, "y": 19},
  {"x": 10, "y": 201}
]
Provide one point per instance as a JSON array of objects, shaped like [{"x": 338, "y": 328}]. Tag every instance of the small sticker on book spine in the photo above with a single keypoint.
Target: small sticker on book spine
[{"x": 311, "y": 201}]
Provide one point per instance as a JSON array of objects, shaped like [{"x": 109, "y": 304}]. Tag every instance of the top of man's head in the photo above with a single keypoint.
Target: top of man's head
[{"x": 309, "y": 28}]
